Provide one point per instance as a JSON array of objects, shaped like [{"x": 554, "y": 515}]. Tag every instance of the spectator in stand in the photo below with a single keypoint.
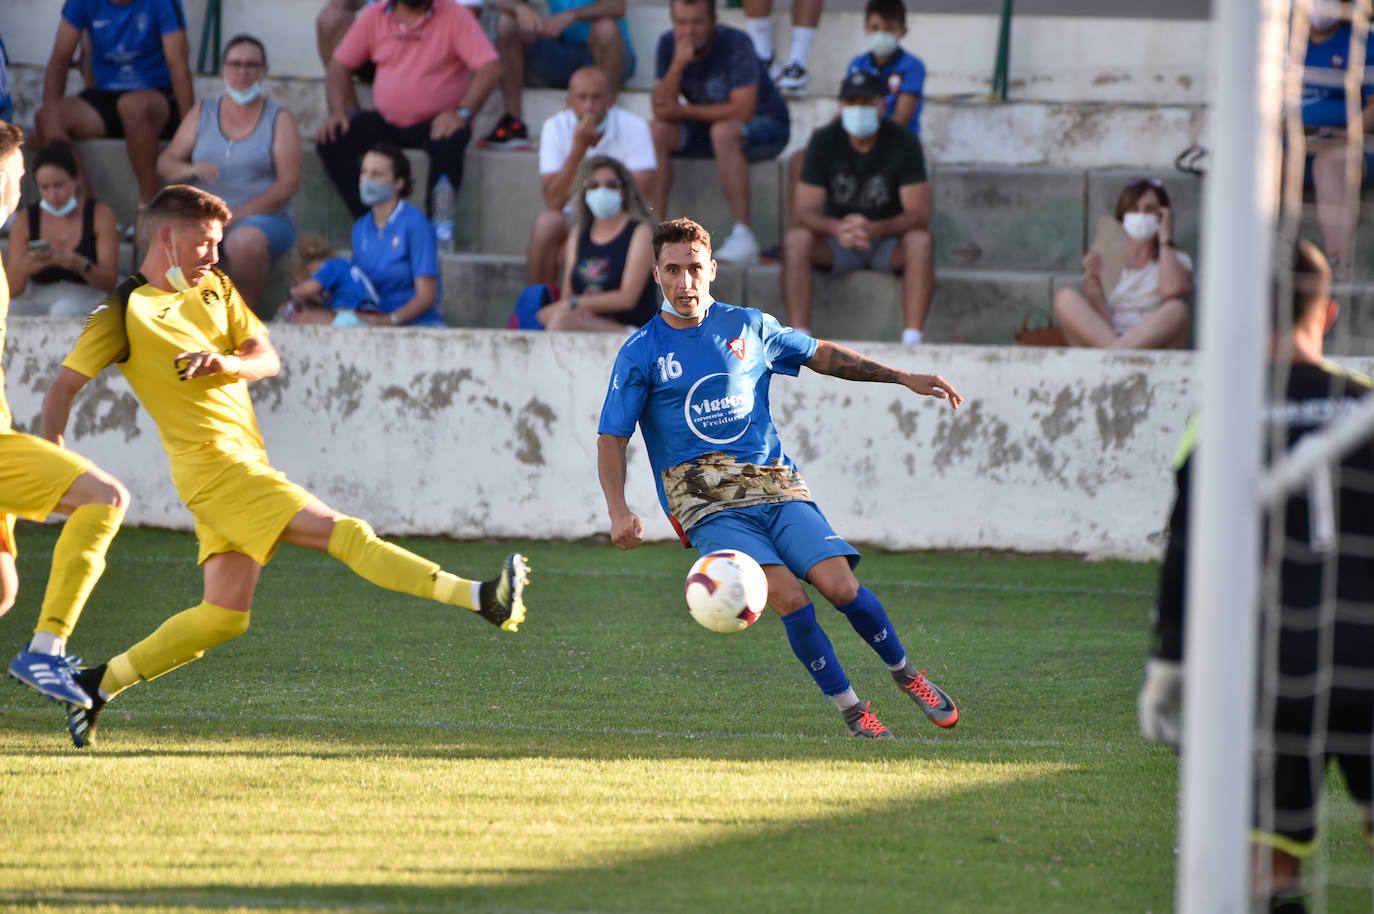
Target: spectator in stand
[
  {"x": 321, "y": 280},
  {"x": 1147, "y": 307},
  {"x": 863, "y": 203},
  {"x": 394, "y": 245},
  {"x": 576, "y": 34},
  {"x": 64, "y": 249},
  {"x": 589, "y": 126},
  {"x": 142, "y": 71},
  {"x": 332, "y": 24},
  {"x": 1324, "y": 122},
  {"x": 733, "y": 112},
  {"x": 6, "y": 100},
  {"x": 245, "y": 149},
  {"x": 903, "y": 74},
  {"x": 435, "y": 67},
  {"x": 606, "y": 284},
  {"x": 793, "y": 79}
]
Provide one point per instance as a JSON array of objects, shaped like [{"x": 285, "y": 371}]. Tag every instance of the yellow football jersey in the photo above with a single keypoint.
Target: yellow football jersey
[
  {"x": 198, "y": 419},
  {"x": 4, "y": 318}
]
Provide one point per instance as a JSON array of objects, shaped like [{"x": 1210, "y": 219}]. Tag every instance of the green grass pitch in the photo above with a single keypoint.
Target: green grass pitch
[{"x": 358, "y": 750}]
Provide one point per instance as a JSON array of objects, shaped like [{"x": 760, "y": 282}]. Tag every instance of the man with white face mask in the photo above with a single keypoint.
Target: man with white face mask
[
  {"x": 863, "y": 203},
  {"x": 903, "y": 73}
]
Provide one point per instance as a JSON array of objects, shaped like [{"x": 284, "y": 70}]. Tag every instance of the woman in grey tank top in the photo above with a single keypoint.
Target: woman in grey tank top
[{"x": 246, "y": 149}]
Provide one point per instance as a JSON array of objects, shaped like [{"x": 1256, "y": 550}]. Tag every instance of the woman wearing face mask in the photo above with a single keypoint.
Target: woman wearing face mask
[
  {"x": 246, "y": 149},
  {"x": 64, "y": 251},
  {"x": 606, "y": 283},
  {"x": 1147, "y": 307},
  {"x": 394, "y": 246}
]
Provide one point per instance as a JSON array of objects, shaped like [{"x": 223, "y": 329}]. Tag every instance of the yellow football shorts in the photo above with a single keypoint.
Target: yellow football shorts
[
  {"x": 34, "y": 475},
  {"x": 245, "y": 508}
]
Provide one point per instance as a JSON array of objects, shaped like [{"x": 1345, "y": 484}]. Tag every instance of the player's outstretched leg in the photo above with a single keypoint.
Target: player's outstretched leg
[
  {"x": 863, "y": 722},
  {"x": 929, "y": 697},
  {"x": 81, "y": 720},
  {"x": 178, "y": 641},
  {"x": 50, "y": 675},
  {"x": 813, "y": 648},
  {"x": 866, "y": 614},
  {"x": 499, "y": 601},
  {"x": 78, "y": 560}
]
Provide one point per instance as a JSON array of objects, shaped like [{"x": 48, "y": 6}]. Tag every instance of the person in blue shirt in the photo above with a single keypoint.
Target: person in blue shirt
[
  {"x": 903, "y": 73},
  {"x": 142, "y": 68},
  {"x": 1324, "y": 123},
  {"x": 733, "y": 113},
  {"x": 6, "y": 99},
  {"x": 575, "y": 34},
  {"x": 393, "y": 246},
  {"x": 695, "y": 381}
]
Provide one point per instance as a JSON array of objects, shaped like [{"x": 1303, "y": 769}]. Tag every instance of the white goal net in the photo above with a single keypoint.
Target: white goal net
[{"x": 1271, "y": 695}]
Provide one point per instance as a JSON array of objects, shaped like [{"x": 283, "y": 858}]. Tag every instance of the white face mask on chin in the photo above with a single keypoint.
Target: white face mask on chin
[{"x": 1140, "y": 226}]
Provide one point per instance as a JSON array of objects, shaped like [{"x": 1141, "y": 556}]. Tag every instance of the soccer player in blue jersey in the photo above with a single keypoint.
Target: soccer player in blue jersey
[{"x": 695, "y": 380}]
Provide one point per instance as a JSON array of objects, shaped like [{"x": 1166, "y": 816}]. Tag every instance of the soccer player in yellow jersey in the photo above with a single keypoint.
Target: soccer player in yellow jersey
[
  {"x": 38, "y": 478},
  {"x": 188, "y": 346}
]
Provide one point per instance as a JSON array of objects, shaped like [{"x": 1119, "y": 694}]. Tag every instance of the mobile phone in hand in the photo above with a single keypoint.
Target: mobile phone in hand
[{"x": 39, "y": 244}]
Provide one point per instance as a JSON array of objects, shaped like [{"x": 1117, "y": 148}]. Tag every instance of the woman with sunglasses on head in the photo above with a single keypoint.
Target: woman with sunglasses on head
[
  {"x": 64, "y": 249},
  {"x": 246, "y": 149},
  {"x": 607, "y": 260},
  {"x": 1147, "y": 307}
]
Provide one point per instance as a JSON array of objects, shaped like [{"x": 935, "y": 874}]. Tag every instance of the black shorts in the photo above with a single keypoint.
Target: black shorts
[
  {"x": 106, "y": 101},
  {"x": 1300, "y": 764}
]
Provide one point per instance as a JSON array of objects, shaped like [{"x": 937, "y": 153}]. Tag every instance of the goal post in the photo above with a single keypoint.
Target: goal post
[{"x": 1240, "y": 210}]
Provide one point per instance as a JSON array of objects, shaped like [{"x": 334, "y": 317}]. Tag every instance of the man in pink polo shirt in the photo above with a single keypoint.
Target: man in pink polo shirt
[{"x": 435, "y": 68}]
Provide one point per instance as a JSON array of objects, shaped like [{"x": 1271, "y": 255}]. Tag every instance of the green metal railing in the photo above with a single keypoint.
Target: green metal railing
[
  {"x": 210, "y": 43},
  {"x": 1003, "y": 64}
]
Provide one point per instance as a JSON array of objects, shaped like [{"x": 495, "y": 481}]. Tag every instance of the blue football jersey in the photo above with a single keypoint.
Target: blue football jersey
[
  {"x": 703, "y": 389},
  {"x": 1323, "y": 88}
]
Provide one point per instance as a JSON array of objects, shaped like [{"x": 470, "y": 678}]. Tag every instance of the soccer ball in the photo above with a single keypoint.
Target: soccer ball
[{"x": 726, "y": 591}]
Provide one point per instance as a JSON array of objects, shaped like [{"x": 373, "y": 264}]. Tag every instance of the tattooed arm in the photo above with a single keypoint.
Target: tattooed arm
[{"x": 839, "y": 362}]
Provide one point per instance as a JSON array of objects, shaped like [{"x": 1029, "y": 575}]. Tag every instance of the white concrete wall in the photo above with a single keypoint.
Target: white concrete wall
[{"x": 473, "y": 433}]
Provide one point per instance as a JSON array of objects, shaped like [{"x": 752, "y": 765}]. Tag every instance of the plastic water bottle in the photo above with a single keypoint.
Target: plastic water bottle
[{"x": 442, "y": 208}]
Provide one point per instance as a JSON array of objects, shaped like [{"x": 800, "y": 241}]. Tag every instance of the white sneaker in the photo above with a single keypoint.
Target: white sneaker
[
  {"x": 793, "y": 80},
  {"x": 740, "y": 247}
]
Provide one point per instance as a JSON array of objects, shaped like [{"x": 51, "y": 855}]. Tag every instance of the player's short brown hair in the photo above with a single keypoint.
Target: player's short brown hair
[
  {"x": 680, "y": 231},
  {"x": 11, "y": 137},
  {"x": 184, "y": 203}
]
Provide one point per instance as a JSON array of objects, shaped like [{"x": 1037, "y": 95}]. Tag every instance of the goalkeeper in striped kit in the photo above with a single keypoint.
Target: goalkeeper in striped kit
[
  {"x": 188, "y": 344},
  {"x": 1324, "y": 676}
]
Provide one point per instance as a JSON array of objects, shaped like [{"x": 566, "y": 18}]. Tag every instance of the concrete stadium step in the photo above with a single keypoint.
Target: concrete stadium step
[{"x": 984, "y": 217}]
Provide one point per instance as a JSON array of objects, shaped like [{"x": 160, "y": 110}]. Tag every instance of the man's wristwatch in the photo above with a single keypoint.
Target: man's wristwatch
[{"x": 464, "y": 113}]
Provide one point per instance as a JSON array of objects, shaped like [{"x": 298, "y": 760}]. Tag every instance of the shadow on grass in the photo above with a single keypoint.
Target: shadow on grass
[{"x": 784, "y": 867}]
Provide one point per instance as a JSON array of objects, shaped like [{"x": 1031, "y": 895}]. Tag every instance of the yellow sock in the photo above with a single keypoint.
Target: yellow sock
[
  {"x": 388, "y": 565},
  {"x": 181, "y": 639},
  {"x": 78, "y": 560}
]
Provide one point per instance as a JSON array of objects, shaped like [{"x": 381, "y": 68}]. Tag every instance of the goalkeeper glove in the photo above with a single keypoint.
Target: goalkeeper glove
[{"x": 1161, "y": 701}]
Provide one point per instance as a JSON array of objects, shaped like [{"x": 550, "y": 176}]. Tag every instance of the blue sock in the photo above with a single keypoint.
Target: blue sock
[
  {"x": 869, "y": 619},
  {"x": 813, "y": 649}
]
